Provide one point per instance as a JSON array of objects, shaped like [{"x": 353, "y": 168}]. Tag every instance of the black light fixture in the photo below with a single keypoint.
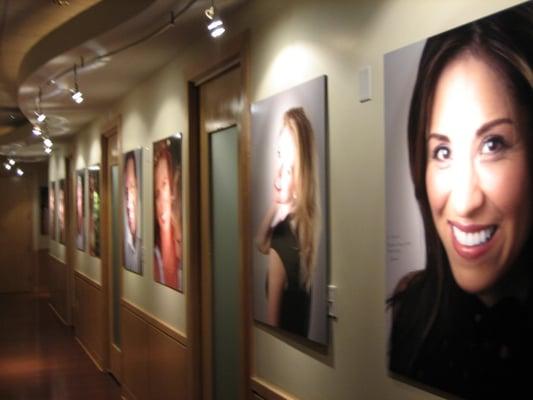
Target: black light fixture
[
  {"x": 40, "y": 115},
  {"x": 77, "y": 96}
]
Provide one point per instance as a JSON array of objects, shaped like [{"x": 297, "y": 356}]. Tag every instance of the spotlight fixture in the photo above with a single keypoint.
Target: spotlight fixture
[
  {"x": 11, "y": 161},
  {"x": 20, "y": 172},
  {"x": 77, "y": 96},
  {"x": 48, "y": 143},
  {"x": 215, "y": 25},
  {"x": 7, "y": 166},
  {"x": 37, "y": 131},
  {"x": 40, "y": 115},
  {"x": 47, "y": 150}
]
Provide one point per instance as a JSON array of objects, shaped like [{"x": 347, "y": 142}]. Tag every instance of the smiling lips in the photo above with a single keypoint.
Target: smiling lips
[{"x": 472, "y": 241}]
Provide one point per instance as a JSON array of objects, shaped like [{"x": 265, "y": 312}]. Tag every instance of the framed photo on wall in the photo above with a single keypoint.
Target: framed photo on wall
[
  {"x": 43, "y": 210},
  {"x": 80, "y": 209},
  {"x": 93, "y": 174},
  {"x": 61, "y": 211},
  {"x": 133, "y": 211},
  {"x": 459, "y": 207},
  {"x": 168, "y": 211},
  {"x": 289, "y": 210},
  {"x": 52, "y": 210}
]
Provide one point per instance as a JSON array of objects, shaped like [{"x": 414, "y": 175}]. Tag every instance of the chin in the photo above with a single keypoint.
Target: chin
[{"x": 474, "y": 282}]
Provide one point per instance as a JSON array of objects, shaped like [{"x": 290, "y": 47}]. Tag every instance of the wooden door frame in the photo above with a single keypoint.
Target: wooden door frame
[
  {"x": 70, "y": 234},
  {"x": 110, "y": 129},
  {"x": 232, "y": 52}
]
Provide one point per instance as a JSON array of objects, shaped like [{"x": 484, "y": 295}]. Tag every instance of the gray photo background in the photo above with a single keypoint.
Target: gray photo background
[
  {"x": 137, "y": 155},
  {"x": 267, "y": 118},
  {"x": 404, "y": 227}
]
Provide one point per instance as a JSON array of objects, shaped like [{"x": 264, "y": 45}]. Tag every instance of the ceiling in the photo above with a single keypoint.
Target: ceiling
[{"x": 114, "y": 45}]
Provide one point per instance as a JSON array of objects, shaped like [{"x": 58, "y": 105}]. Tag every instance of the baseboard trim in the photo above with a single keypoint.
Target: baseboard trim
[
  {"x": 59, "y": 316},
  {"x": 91, "y": 356}
]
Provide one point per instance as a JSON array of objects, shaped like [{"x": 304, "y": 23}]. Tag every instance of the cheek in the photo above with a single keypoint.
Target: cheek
[
  {"x": 438, "y": 188},
  {"x": 508, "y": 188}
]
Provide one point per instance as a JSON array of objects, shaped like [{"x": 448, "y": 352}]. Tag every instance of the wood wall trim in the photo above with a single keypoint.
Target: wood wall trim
[
  {"x": 156, "y": 323},
  {"x": 91, "y": 356},
  {"x": 269, "y": 391},
  {"x": 87, "y": 280},
  {"x": 126, "y": 393},
  {"x": 55, "y": 258},
  {"x": 58, "y": 315}
]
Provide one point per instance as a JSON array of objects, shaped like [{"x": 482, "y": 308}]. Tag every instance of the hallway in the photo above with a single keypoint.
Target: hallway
[{"x": 39, "y": 357}]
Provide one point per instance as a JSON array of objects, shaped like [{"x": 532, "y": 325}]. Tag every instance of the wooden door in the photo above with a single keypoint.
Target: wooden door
[
  {"x": 111, "y": 249},
  {"x": 220, "y": 128},
  {"x": 16, "y": 252}
]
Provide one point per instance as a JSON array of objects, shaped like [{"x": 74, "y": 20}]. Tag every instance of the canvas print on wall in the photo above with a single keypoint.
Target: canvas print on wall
[
  {"x": 459, "y": 218},
  {"x": 168, "y": 266},
  {"x": 80, "y": 209},
  {"x": 132, "y": 210},
  {"x": 52, "y": 210},
  {"x": 61, "y": 211},
  {"x": 44, "y": 211},
  {"x": 289, "y": 209},
  {"x": 94, "y": 210}
]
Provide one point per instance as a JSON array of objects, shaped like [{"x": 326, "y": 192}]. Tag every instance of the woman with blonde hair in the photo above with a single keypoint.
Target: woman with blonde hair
[{"x": 289, "y": 231}]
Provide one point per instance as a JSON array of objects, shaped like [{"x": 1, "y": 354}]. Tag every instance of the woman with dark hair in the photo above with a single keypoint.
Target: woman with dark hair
[
  {"x": 167, "y": 218},
  {"x": 464, "y": 324},
  {"x": 289, "y": 231}
]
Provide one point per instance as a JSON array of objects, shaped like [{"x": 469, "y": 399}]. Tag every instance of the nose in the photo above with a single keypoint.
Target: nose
[{"x": 466, "y": 193}]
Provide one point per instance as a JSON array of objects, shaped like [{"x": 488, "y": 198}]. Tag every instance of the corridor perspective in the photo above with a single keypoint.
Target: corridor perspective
[
  {"x": 41, "y": 360},
  {"x": 261, "y": 199}
]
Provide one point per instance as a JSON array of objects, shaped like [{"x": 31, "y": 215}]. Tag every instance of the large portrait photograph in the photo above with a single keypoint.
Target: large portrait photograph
[
  {"x": 61, "y": 211},
  {"x": 168, "y": 266},
  {"x": 289, "y": 210},
  {"x": 132, "y": 210},
  {"x": 80, "y": 209},
  {"x": 52, "y": 210},
  {"x": 94, "y": 210},
  {"x": 459, "y": 208}
]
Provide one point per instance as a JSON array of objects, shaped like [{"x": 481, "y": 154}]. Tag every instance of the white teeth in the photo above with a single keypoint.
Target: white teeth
[{"x": 473, "y": 238}]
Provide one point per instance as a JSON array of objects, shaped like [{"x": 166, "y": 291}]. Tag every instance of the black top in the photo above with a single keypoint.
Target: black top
[
  {"x": 295, "y": 303},
  {"x": 473, "y": 351}
]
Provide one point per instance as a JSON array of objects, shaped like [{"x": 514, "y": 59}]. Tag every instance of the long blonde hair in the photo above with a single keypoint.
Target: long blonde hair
[{"x": 306, "y": 211}]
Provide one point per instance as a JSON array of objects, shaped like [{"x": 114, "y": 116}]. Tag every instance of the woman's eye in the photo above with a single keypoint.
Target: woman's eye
[
  {"x": 441, "y": 153},
  {"x": 493, "y": 144}
]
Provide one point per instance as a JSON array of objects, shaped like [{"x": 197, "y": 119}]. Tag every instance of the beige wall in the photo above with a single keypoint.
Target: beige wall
[{"x": 292, "y": 42}]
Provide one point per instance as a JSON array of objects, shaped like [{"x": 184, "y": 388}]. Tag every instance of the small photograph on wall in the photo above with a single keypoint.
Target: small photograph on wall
[
  {"x": 61, "y": 211},
  {"x": 132, "y": 211},
  {"x": 168, "y": 266},
  {"x": 94, "y": 210},
  {"x": 43, "y": 210},
  {"x": 289, "y": 210},
  {"x": 52, "y": 210},
  {"x": 459, "y": 208},
  {"x": 80, "y": 209}
]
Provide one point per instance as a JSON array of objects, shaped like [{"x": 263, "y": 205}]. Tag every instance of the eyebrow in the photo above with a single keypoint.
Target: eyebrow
[
  {"x": 480, "y": 132},
  {"x": 491, "y": 124}
]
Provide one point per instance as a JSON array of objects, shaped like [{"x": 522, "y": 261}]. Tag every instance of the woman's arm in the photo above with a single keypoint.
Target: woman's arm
[
  {"x": 264, "y": 233},
  {"x": 277, "y": 279}
]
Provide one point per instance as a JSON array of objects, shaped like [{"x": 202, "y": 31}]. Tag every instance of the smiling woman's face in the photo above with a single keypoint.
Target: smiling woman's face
[{"x": 477, "y": 175}]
